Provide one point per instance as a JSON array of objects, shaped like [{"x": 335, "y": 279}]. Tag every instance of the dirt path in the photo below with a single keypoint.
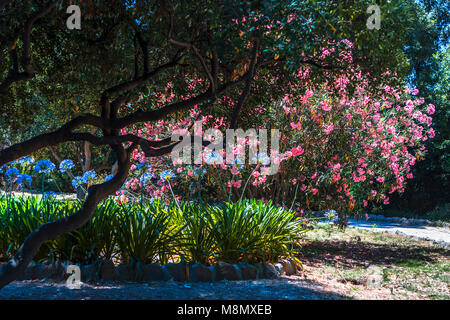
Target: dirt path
[
  {"x": 440, "y": 236},
  {"x": 293, "y": 287}
]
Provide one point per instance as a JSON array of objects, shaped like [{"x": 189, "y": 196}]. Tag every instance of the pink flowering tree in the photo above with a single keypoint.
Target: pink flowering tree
[
  {"x": 349, "y": 141},
  {"x": 345, "y": 143}
]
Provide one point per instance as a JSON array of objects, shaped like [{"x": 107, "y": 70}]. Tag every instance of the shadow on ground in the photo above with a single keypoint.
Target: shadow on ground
[
  {"x": 362, "y": 254},
  {"x": 285, "y": 288}
]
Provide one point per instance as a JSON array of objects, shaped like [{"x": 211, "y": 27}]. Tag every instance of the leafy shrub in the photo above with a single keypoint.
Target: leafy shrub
[
  {"x": 255, "y": 231},
  {"x": 196, "y": 240},
  {"x": 19, "y": 217},
  {"x": 249, "y": 231},
  {"x": 145, "y": 232},
  {"x": 95, "y": 240},
  {"x": 441, "y": 212}
]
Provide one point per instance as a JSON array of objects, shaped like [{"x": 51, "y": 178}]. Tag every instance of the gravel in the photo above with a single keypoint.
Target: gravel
[{"x": 285, "y": 288}]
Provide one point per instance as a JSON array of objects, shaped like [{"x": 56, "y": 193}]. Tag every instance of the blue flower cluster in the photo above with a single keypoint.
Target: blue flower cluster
[
  {"x": 77, "y": 182},
  {"x": 332, "y": 215},
  {"x": 24, "y": 179},
  {"x": 88, "y": 176},
  {"x": 261, "y": 158},
  {"x": 109, "y": 177},
  {"x": 214, "y": 158},
  {"x": 66, "y": 165},
  {"x": 11, "y": 174},
  {"x": 166, "y": 175},
  {"x": 85, "y": 179},
  {"x": 44, "y": 166},
  {"x": 146, "y": 178},
  {"x": 237, "y": 163},
  {"x": 26, "y": 161}
]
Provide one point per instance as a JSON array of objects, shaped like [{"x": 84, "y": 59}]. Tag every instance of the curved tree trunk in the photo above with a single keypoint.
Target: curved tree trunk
[{"x": 18, "y": 264}]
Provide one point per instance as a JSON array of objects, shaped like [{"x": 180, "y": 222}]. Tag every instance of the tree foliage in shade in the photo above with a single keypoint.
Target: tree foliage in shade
[{"x": 427, "y": 50}]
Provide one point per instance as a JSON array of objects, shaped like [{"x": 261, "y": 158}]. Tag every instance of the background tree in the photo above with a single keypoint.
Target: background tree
[{"x": 428, "y": 54}]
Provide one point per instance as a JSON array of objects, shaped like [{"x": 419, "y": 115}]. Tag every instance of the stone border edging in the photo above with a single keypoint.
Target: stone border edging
[{"x": 107, "y": 271}]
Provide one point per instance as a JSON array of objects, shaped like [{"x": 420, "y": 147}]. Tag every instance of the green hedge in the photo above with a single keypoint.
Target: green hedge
[{"x": 148, "y": 232}]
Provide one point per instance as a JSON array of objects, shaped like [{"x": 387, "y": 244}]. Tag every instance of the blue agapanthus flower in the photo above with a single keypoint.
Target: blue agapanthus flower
[
  {"x": 167, "y": 175},
  {"x": 48, "y": 195},
  {"x": 261, "y": 158},
  {"x": 26, "y": 161},
  {"x": 44, "y": 166},
  {"x": 109, "y": 177},
  {"x": 24, "y": 179},
  {"x": 66, "y": 165},
  {"x": 77, "y": 182},
  {"x": 214, "y": 158},
  {"x": 237, "y": 163},
  {"x": 332, "y": 215},
  {"x": 146, "y": 178},
  {"x": 88, "y": 176},
  {"x": 12, "y": 173},
  {"x": 144, "y": 166}
]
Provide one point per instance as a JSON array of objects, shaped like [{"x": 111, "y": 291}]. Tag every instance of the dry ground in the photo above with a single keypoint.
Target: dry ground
[{"x": 361, "y": 264}]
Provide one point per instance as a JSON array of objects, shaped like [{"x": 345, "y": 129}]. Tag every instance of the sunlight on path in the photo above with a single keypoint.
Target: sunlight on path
[{"x": 440, "y": 236}]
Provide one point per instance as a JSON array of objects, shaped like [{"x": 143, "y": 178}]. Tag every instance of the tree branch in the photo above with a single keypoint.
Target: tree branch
[
  {"x": 189, "y": 46},
  {"x": 14, "y": 75},
  {"x": 246, "y": 91}
]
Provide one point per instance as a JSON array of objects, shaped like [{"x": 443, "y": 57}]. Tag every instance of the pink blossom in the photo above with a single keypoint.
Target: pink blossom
[
  {"x": 325, "y": 105},
  {"x": 329, "y": 129},
  {"x": 431, "y": 133},
  {"x": 309, "y": 93},
  {"x": 297, "y": 125},
  {"x": 297, "y": 151}
]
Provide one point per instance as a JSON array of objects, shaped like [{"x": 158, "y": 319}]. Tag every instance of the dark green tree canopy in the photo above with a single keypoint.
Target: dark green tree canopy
[{"x": 62, "y": 73}]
